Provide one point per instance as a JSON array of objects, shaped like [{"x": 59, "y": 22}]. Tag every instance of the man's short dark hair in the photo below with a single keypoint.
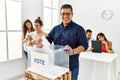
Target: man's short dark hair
[
  {"x": 88, "y": 30},
  {"x": 67, "y": 6}
]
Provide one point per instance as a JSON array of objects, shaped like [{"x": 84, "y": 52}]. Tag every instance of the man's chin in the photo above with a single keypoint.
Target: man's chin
[{"x": 66, "y": 22}]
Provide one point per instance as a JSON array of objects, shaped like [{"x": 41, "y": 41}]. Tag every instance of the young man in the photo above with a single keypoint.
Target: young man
[
  {"x": 89, "y": 38},
  {"x": 70, "y": 35}
]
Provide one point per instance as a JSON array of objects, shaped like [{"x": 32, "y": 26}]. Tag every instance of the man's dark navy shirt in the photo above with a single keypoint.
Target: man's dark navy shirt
[{"x": 72, "y": 35}]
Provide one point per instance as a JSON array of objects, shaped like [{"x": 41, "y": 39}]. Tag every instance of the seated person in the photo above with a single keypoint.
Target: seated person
[
  {"x": 89, "y": 38},
  {"x": 106, "y": 44}
]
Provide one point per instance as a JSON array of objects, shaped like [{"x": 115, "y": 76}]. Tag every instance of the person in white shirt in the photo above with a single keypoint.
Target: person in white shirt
[
  {"x": 26, "y": 31},
  {"x": 38, "y": 34},
  {"x": 36, "y": 38},
  {"x": 89, "y": 38}
]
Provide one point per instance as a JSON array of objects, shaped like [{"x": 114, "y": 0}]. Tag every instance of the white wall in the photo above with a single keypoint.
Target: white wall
[
  {"x": 31, "y": 9},
  {"x": 88, "y": 14}
]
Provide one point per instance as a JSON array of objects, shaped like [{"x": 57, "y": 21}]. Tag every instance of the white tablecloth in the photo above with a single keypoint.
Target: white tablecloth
[{"x": 97, "y": 66}]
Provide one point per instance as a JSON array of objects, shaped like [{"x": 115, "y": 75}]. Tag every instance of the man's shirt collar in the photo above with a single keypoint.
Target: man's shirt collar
[{"x": 69, "y": 24}]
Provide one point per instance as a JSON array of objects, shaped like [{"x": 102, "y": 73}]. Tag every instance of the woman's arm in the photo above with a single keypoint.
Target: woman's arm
[
  {"x": 110, "y": 44},
  {"x": 23, "y": 39},
  {"x": 45, "y": 34},
  {"x": 109, "y": 47},
  {"x": 110, "y": 50}
]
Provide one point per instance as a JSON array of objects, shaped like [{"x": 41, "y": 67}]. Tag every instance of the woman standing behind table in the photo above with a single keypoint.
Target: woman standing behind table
[
  {"x": 106, "y": 44},
  {"x": 27, "y": 29},
  {"x": 38, "y": 34}
]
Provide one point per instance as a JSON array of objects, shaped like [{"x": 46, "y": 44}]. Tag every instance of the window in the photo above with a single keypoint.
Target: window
[
  {"x": 13, "y": 15},
  {"x": 14, "y": 48},
  {"x": 50, "y": 14},
  {"x": 2, "y": 15},
  {"x": 10, "y": 30},
  {"x": 3, "y": 50}
]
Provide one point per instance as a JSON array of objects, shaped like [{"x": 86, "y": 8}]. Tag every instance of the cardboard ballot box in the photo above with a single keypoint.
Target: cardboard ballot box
[{"x": 51, "y": 72}]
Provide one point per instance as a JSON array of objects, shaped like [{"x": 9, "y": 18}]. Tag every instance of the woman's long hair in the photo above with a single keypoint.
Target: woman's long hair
[
  {"x": 25, "y": 29},
  {"x": 101, "y": 34}
]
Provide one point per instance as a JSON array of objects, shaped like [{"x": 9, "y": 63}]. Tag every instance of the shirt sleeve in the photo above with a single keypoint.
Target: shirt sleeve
[
  {"x": 82, "y": 38},
  {"x": 50, "y": 36}
]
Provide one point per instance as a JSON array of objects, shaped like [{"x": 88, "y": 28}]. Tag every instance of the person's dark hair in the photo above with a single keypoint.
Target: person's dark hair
[
  {"x": 88, "y": 30},
  {"x": 67, "y": 6},
  {"x": 101, "y": 34},
  {"x": 38, "y": 20},
  {"x": 25, "y": 29}
]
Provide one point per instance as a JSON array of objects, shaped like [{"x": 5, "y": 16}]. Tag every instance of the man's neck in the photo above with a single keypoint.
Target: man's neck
[{"x": 65, "y": 25}]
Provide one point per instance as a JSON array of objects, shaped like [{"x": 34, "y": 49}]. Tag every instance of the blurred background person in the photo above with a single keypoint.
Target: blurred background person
[
  {"x": 37, "y": 34},
  {"x": 106, "y": 44},
  {"x": 89, "y": 38},
  {"x": 26, "y": 30},
  {"x": 35, "y": 38}
]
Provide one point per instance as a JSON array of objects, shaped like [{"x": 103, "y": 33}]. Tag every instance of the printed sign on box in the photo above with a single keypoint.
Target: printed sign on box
[{"x": 39, "y": 59}]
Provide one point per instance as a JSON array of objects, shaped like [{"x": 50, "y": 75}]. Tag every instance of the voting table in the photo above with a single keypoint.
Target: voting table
[{"x": 97, "y": 66}]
